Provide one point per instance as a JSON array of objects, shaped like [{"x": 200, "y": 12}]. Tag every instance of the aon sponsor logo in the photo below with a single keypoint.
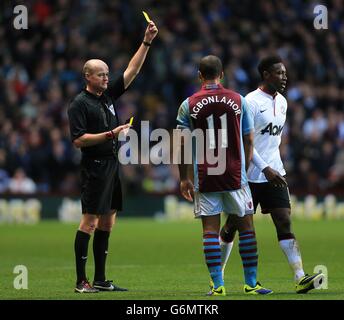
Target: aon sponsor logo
[{"x": 272, "y": 130}]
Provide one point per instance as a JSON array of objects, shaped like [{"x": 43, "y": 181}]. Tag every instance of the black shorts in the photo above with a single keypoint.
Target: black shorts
[
  {"x": 101, "y": 189},
  {"x": 269, "y": 197}
]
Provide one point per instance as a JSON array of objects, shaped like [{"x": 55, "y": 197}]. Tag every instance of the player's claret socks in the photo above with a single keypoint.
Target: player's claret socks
[
  {"x": 249, "y": 256},
  {"x": 212, "y": 253}
]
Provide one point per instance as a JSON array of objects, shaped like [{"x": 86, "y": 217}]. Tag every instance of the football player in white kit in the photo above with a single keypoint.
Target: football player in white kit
[{"x": 266, "y": 173}]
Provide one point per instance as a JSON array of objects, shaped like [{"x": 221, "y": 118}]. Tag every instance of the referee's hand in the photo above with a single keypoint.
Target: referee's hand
[
  {"x": 187, "y": 189},
  {"x": 118, "y": 129},
  {"x": 151, "y": 32},
  {"x": 274, "y": 177}
]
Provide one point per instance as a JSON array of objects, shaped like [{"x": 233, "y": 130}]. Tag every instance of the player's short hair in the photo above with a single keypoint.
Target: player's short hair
[
  {"x": 210, "y": 67},
  {"x": 266, "y": 63}
]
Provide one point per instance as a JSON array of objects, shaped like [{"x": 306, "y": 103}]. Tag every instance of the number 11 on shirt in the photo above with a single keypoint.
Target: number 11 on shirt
[{"x": 224, "y": 139}]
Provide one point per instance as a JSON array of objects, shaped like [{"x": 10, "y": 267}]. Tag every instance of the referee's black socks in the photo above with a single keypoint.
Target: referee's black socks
[
  {"x": 80, "y": 249},
  {"x": 100, "y": 250}
]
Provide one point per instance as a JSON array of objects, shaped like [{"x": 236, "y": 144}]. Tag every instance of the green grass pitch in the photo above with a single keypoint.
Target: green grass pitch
[{"x": 163, "y": 260}]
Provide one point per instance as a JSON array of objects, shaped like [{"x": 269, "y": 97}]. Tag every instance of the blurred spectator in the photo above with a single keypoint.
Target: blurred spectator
[{"x": 20, "y": 183}]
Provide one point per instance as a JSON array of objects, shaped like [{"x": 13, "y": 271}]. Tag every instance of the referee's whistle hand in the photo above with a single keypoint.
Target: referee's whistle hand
[{"x": 118, "y": 129}]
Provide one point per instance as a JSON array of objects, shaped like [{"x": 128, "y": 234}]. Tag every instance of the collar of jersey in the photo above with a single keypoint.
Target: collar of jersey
[
  {"x": 268, "y": 94},
  {"x": 212, "y": 86},
  {"x": 90, "y": 94}
]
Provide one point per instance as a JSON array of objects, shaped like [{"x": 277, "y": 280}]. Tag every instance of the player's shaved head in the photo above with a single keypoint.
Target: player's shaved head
[
  {"x": 210, "y": 67},
  {"x": 93, "y": 65}
]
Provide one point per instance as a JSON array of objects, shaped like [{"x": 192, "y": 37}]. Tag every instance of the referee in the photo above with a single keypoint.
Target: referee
[{"x": 94, "y": 127}]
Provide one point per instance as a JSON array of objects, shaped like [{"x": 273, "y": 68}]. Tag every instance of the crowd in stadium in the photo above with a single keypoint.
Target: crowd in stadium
[{"x": 40, "y": 71}]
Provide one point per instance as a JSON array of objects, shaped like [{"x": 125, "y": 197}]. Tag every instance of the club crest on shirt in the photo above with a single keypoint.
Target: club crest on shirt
[{"x": 249, "y": 205}]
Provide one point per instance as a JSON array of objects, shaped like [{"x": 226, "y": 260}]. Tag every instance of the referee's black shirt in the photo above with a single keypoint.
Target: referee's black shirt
[{"x": 89, "y": 113}]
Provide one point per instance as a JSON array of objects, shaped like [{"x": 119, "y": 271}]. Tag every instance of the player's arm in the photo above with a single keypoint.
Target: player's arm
[
  {"x": 139, "y": 57},
  {"x": 271, "y": 175},
  {"x": 247, "y": 132},
  {"x": 183, "y": 123},
  {"x": 186, "y": 185},
  {"x": 248, "y": 148}
]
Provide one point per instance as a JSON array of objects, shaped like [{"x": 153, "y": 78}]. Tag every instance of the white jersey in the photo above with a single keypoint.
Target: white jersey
[{"x": 269, "y": 115}]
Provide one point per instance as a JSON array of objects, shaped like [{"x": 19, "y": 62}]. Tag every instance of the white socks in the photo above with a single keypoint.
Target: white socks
[
  {"x": 226, "y": 248},
  {"x": 292, "y": 252}
]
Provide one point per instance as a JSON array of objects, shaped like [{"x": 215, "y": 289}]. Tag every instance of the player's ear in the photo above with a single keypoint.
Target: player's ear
[{"x": 222, "y": 75}]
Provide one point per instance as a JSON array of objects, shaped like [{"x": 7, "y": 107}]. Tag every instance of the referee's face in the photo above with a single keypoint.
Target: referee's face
[{"x": 98, "y": 77}]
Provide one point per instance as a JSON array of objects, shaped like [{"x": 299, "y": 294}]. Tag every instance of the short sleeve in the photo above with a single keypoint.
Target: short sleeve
[
  {"x": 183, "y": 117},
  {"x": 116, "y": 87},
  {"x": 252, "y": 105},
  {"x": 247, "y": 117},
  {"x": 77, "y": 120}
]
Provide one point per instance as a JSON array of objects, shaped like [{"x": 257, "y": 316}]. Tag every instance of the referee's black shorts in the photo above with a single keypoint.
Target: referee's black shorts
[
  {"x": 101, "y": 189},
  {"x": 269, "y": 197}
]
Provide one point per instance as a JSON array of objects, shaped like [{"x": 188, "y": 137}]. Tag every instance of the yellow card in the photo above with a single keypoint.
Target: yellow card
[
  {"x": 146, "y": 16},
  {"x": 131, "y": 120}
]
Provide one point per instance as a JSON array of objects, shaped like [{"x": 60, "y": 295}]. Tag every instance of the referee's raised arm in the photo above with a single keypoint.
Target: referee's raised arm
[{"x": 139, "y": 57}]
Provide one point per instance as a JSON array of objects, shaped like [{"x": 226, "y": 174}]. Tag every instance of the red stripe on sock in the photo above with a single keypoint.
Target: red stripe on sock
[
  {"x": 213, "y": 257},
  {"x": 250, "y": 236},
  {"x": 249, "y": 258},
  {"x": 215, "y": 264},
  {"x": 210, "y": 235},
  {"x": 246, "y": 233},
  {"x": 211, "y": 250},
  {"x": 211, "y": 243},
  {"x": 248, "y": 251}
]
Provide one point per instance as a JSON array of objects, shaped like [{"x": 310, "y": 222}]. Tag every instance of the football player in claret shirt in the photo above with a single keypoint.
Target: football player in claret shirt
[
  {"x": 266, "y": 174},
  {"x": 222, "y": 116}
]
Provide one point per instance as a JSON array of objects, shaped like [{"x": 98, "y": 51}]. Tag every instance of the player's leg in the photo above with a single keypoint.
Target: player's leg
[
  {"x": 249, "y": 255},
  {"x": 248, "y": 249},
  {"x": 276, "y": 200},
  {"x": 290, "y": 247},
  {"x": 287, "y": 241},
  {"x": 208, "y": 207},
  {"x": 240, "y": 203},
  {"x": 227, "y": 235},
  {"x": 212, "y": 252},
  {"x": 86, "y": 228}
]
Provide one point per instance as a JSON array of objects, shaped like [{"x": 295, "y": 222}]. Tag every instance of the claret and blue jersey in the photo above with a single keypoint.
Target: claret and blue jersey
[{"x": 211, "y": 109}]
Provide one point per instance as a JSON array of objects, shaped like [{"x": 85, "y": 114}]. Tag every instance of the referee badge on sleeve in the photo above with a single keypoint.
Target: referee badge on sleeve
[{"x": 112, "y": 110}]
